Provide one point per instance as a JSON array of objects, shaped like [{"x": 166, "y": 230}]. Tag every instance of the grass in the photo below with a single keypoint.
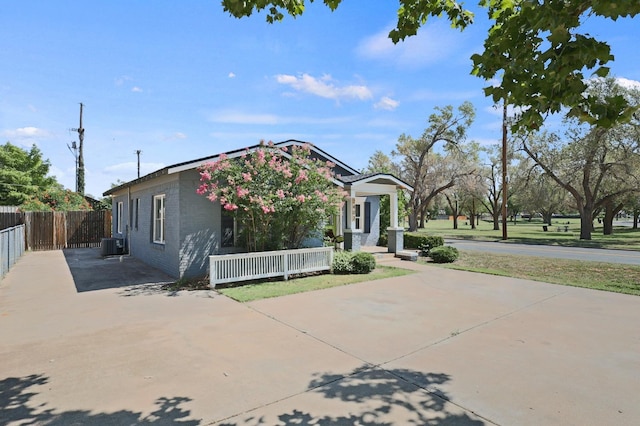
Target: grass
[
  {"x": 595, "y": 275},
  {"x": 263, "y": 290},
  {"x": 526, "y": 232}
]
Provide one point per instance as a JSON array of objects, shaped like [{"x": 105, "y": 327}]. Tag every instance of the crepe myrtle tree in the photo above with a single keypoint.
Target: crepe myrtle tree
[{"x": 278, "y": 196}]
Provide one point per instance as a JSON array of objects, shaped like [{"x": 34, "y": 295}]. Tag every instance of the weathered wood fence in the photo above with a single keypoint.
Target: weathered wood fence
[
  {"x": 259, "y": 265},
  {"x": 58, "y": 230},
  {"x": 11, "y": 247}
]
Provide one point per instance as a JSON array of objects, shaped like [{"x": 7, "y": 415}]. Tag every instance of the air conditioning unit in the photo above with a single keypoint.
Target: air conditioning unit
[{"x": 112, "y": 246}]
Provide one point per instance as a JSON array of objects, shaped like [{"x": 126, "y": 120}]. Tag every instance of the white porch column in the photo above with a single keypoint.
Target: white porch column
[
  {"x": 395, "y": 234},
  {"x": 352, "y": 236},
  {"x": 394, "y": 209}
]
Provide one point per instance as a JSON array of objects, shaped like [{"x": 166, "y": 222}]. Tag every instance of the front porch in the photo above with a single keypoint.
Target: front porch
[{"x": 357, "y": 213}]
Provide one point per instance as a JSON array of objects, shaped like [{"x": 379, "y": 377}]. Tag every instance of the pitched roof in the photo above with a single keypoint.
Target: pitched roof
[{"x": 192, "y": 164}]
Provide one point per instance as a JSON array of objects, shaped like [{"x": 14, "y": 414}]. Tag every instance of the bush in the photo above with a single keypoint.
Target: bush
[
  {"x": 431, "y": 242},
  {"x": 444, "y": 254},
  {"x": 383, "y": 241},
  {"x": 422, "y": 242},
  {"x": 363, "y": 263},
  {"x": 342, "y": 262}
]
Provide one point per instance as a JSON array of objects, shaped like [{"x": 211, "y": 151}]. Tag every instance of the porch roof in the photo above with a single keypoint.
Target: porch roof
[{"x": 373, "y": 183}]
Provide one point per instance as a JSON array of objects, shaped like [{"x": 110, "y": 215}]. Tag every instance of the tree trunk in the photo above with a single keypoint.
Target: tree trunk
[
  {"x": 586, "y": 223},
  {"x": 546, "y": 218},
  {"x": 636, "y": 215},
  {"x": 610, "y": 212},
  {"x": 472, "y": 214},
  {"x": 496, "y": 222}
]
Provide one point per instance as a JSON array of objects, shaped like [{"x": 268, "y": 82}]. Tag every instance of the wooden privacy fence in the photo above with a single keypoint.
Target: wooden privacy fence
[
  {"x": 58, "y": 230},
  {"x": 11, "y": 247},
  {"x": 258, "y": 265}
]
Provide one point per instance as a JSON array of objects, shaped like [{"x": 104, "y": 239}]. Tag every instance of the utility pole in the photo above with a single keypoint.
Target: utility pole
[
  {"x": 73, "y": 148},
  {"x": 504, "y": 170},
  {"x": 138, "y": 152},
  {"x": 80, "y": 172}
]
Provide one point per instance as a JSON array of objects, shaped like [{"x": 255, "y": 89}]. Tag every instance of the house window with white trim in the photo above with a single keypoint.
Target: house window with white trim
[
  {"x": 119, "y": 213},
  {"x": 357, "y": 214},
  {"x": 158, "y": 219}
]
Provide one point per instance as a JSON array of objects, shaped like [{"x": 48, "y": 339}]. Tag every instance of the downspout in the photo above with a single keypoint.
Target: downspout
[{"x": 128, "y": 232}]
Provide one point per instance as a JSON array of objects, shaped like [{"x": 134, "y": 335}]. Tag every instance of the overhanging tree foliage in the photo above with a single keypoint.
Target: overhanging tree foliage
[
  {"x": 23, "y": 174},
  {"x": 534, "y": 49}
]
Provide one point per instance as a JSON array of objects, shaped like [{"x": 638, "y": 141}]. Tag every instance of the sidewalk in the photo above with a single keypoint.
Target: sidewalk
[{"x": 435, "y": 347}]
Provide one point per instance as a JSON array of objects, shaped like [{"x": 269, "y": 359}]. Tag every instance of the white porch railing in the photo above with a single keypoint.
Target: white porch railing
[{"x": 228, "y": 268}]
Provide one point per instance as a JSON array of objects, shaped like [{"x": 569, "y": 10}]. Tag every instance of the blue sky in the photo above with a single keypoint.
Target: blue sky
[{"x": 183, "y": 80}]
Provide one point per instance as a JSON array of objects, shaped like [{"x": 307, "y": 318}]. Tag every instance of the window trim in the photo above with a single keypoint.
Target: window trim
[
  {"x": 137, "y": 213},
  {"x": 119, "y": 213},
  {"x": 161, "y": 198}
]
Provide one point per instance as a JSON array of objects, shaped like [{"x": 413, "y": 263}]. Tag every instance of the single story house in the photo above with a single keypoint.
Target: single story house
[{"x": 166, "y": 224}]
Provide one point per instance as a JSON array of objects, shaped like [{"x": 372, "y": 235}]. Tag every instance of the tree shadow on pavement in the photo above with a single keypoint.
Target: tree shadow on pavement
[
  {"x": 91, "y": 271},
  {"x": 374, "y": 397},
  {"x": 15, "y": 406}
]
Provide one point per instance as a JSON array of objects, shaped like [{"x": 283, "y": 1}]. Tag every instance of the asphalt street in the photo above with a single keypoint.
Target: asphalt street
[{"x": 574, "y": 253}]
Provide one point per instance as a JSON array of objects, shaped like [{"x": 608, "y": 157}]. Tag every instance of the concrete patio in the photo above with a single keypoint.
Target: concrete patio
[{"x": 434, "y": 347}]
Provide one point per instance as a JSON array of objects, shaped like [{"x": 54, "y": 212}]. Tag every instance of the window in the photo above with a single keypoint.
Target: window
[
  {"x": 362, "y": 215},
  {"x": 119, "y": 217},
  {"x": 228, "y": 231},
  {"x": 158, "y": 218}
]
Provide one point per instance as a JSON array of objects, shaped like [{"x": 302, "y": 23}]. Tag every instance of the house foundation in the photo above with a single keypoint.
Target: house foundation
[{"x": 352, "y": 239}]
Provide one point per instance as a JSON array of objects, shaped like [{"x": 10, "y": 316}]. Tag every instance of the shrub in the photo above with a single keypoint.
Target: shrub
[
  {"x": 419, "y": 241},
  {"x": 363, "y": 263},
  {"x": 342, "y": 262},
  {"x": 383, "y": 241},
  {"x": 444, "y": 254},
  {"x": 431, "y": 242}
]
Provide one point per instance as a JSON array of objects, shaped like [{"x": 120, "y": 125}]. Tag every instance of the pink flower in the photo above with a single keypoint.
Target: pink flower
[
  {"x": 247, "y": 177},
  {"x": 301, "y": 198},
  {"x": 202, "y": 189},
  {"x": 230, "y": 207},
  {"x": 265, "y": 209},
  {"x": 212, "y": 197},
  {"x": 242, "y": 192},
  {"x": 205, "y": 175},
  {"x": 280, "y": 193},
  {"x": 302, "y": 175}
]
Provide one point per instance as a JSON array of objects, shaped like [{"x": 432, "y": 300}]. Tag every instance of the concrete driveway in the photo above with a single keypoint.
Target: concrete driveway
[{"x": 435, "y": 347}]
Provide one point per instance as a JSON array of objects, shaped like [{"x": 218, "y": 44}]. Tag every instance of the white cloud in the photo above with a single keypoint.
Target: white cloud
[
  {"x": 387, "y": 103},
  {"x": 324, "y": 87},
  {"x": 136, "y": 89},
  {"x": 173, "y": 136},
  {"x": 122, "y": 79},
  {"x": 132, "y": 166},
  {"x": 231, "y": 75},
  {"x": 239, "y": 117},
  {"x": 432, "y": 44},
  {"x": 24, "y": 135}
]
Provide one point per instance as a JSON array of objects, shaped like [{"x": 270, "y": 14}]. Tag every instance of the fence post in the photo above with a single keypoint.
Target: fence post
[
  {"x": 213, "y": 273},
  {"x": 285, "y": 264}
]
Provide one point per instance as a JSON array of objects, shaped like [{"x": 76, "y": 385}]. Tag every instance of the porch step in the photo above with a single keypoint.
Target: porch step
[{"x": 407, "y": 255}]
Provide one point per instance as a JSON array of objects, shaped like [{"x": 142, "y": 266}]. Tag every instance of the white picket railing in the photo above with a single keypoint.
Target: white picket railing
[{"x": 228, "y": 268}]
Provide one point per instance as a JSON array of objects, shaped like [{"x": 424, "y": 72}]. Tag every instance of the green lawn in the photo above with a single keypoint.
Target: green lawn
[
  {"x": 526, "y": 232},
  {"x": 263, "y": 290},
  {"x": 596, "y": 275}
]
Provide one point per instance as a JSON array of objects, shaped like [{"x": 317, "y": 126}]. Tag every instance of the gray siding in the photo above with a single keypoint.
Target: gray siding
[
  {"x": 371, "y": 238},
  {"x": 199, "y": 221}
]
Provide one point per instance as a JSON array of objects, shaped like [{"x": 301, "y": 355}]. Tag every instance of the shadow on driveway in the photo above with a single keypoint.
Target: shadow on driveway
[{"x": 91, "y": 271}]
